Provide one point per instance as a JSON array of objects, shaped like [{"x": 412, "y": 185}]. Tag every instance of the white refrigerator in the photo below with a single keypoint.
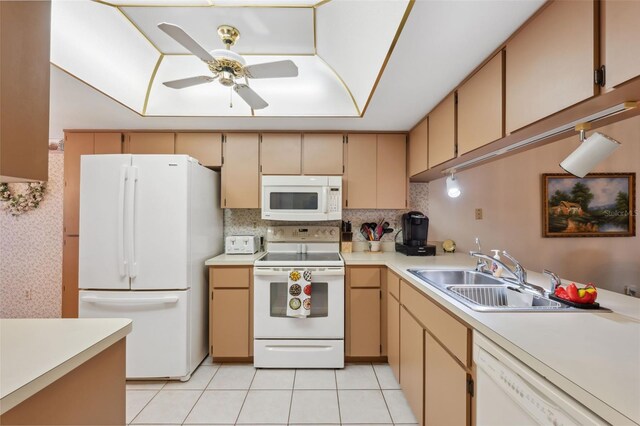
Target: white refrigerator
[{"x": 147, "y": 225}]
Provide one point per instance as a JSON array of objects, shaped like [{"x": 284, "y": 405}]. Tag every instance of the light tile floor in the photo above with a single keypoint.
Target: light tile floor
[{"x": 231, "y": 394}]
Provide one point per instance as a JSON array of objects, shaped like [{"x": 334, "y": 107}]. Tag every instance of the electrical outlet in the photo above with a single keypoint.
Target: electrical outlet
[
  {"x": 27, "y": 294},
  {"x": 478, "y": 214},
  {"x": 630, "y": 290}
]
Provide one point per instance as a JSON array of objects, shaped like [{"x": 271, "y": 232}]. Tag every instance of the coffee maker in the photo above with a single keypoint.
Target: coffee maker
[{"x": 415, "y": 228}]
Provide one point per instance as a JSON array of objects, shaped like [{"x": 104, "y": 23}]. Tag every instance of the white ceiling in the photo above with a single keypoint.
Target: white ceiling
[{"x": 441, "y": 43}]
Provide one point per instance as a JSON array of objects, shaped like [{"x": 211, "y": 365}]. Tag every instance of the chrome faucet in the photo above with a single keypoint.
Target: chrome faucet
[
  {"x": 555, "y": 280},
  {"x": 517, "y": 272},
  {"x": 481, "y": 264}
]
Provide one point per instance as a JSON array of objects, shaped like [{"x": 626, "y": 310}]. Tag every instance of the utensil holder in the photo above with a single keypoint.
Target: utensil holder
[{"x": 374, "y": 246}]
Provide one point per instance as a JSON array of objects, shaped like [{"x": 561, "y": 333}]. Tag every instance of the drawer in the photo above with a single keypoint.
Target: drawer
[
  {"x": 454, "y": 335},
  {"x": 364, "y": 277},
  {"x": 226, "y": 277},
  {"x": 393, "y": 284}
]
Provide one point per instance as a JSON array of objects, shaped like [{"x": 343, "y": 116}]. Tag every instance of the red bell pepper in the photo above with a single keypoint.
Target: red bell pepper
[{"x": 583, "y": 295}]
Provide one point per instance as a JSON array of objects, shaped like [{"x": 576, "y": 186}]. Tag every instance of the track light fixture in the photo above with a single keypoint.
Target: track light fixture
[
  {"x": 591, "y": 151},
  {"x": 453, "y": 189}
]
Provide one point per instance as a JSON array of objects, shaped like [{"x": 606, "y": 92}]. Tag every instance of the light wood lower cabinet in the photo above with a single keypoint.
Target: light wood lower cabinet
[
  {"x": 435, "y": 360},
  {"x": 446, "y": 401},
  {"x": 393, "y": 335},
  {"x": 364, "y": 311},
  {"x": 412, "y": 362},
  {"x": 230, "y": 313},
  {"x": 70, "y": 276}
]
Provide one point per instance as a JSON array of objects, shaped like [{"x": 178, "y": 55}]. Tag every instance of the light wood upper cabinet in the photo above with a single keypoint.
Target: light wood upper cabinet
[
  {"x": 204, "y": 147},
  {"x": 620, "y": 44},
  {"x": 446, "y": 400},
  {"x": 550, "y": 63},
  {"x": 419, "y": 148},
  {"x": 481, "y": 107},
  {"x": 442, "y": 132},
  {"x": 70, "y": 252},
  {"x": 322, "y": 154},
  {"x": 280, "y": 153},
  {"x": 412, "y": 362},
  {"x": 150, "y": 143},
  {"x": 107, "y": 143},
  {"x": 391, "y": 173},
  {"x": 376, "y": 172},
  {"x": 75, "y": 145},
  {"x": 361, "y": 171},
  {"x": 240, "y": 173},
  {"x": 25, "y": 28}
]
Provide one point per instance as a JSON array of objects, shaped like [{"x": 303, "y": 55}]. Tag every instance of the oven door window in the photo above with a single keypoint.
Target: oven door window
[
  {"x": 294, "y": 200},
  {"x": 319, "y": 299}
]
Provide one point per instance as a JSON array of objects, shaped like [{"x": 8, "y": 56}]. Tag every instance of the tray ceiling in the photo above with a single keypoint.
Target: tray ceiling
[
  {"x": 440, "y": 44},
  {"x": 339, "y": 46}
]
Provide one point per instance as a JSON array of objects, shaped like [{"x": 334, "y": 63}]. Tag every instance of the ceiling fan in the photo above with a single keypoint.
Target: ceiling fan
[{"x": 227, "y": 66}]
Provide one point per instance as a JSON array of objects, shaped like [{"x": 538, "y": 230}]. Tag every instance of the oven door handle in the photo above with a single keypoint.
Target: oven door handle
[{"x": 336, "y": 271}]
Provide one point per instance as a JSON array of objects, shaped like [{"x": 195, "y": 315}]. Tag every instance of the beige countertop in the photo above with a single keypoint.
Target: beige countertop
[
  {"x": 36, "y": 352},
  {"x": 595, "y": 357},
  {"x": 234, "y": 259}
]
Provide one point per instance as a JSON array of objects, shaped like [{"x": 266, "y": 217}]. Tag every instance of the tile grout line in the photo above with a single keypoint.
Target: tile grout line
[
  {"x": 335, "y": 379},
  {"x": 255, "y": 371},
  {"x": 293, "y": 387},
  {"x": 201, "y": 394},
  {"x": 145, "y": 405},
  {"x": 383, "y": 397}
]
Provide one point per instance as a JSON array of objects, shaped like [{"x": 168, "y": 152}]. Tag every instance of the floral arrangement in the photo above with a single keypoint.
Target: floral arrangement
[{"x": 17, "y": 204}]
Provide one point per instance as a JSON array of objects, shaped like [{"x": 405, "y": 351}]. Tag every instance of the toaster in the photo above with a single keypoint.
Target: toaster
[{"x": 241, "y": 244}]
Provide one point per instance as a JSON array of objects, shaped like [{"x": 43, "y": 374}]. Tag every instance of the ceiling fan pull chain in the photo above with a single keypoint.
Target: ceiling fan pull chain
[{"x": 230, "y": 97}]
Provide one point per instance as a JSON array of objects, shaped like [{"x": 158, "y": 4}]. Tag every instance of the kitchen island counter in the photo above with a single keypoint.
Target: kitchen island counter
[
  {"x": 593, "y": 356},
  {"x": 38, "y": 353}
]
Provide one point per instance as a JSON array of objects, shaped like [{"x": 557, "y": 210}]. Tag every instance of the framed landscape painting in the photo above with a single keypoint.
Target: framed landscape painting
[{"x": 598, "y": 205}]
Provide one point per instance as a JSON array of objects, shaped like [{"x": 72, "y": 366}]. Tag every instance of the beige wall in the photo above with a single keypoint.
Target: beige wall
[
  {"x": 31, "y": 253},
  {"x": 509, "y": 192}
]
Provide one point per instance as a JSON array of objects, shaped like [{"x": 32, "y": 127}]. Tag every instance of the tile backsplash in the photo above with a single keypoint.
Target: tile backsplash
[{"x": 249, "y": 222}]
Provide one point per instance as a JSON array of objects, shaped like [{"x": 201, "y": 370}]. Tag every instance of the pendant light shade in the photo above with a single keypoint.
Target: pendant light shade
[
  {"x": 453, "y": 189},
  {"x": 591, "y": 151}
]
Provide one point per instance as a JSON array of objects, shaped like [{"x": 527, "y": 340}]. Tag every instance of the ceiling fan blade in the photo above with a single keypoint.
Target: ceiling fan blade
[
  {"x": 188, "y": 82},
  {"x": 272, "y": 70},
  {"x": 252, "y": 98},
  {"x": 179, "y": 35}
]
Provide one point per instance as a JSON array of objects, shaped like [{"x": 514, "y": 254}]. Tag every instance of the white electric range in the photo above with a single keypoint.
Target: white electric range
[{"x": 316, "y": 341}]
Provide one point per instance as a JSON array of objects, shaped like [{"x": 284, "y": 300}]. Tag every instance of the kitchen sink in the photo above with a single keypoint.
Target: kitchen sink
[
  {"x": 453, "y": 276},
  {"x": 485, "y": 293}
]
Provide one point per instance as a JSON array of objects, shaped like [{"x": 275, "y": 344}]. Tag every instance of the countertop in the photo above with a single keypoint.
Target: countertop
[
  {"x": 36, "y": 352},
  {"x": 595, "y": 357},
  {"x": 234, "y": 259}
]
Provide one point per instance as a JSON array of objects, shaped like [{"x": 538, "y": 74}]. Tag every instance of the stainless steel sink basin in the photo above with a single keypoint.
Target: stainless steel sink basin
[
  {"x": 496, "y": 298},
  {"x": 452, "y": 276},
  {"x": 482, "y": 292}
]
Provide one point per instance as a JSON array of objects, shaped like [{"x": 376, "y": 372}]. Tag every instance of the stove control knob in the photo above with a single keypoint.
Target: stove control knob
[{"x": 332, "y": 232}]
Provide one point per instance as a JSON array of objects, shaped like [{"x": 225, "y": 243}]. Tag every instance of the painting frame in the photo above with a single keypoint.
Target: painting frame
[{"x": 580, "y": 223}]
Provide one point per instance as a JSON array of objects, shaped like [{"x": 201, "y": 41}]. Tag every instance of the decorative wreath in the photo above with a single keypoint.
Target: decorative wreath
[{"x": 17, "y": 204}]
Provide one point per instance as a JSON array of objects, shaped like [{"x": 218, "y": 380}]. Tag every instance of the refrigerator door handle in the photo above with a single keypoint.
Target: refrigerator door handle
[
  {"x": 136, "y": 301},
  {"x": 122, "y": 260},
  {"x": 131, "y": 201}
]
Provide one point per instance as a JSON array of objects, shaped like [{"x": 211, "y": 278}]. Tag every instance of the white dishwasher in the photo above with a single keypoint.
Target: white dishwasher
[{"x": 509, "y": 393}]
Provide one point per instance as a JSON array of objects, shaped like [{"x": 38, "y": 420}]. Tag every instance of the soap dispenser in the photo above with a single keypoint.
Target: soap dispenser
[{"x": 496, "y": 268}]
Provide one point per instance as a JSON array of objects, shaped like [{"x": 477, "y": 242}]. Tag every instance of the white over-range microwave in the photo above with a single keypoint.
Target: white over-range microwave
[{"x": 302, "y": 198}]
